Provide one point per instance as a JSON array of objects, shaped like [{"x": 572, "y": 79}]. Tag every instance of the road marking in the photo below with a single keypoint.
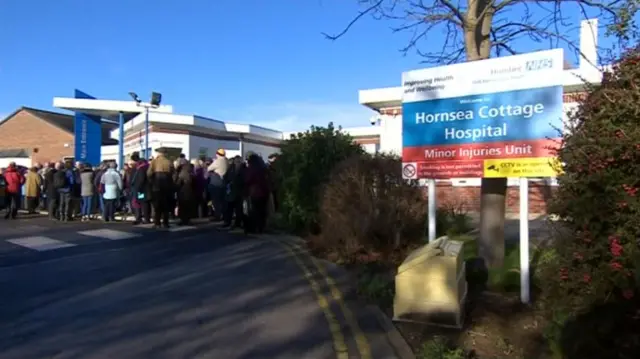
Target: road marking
[
  {"x": 82, "y": 255},
  {"x": 361, "y": 340},
  {"x": 109, "y": 234},
  {"x": 339, "y": 345},
  {"x": 40, "y": 243},
  {"x": 180, "y": 228}
]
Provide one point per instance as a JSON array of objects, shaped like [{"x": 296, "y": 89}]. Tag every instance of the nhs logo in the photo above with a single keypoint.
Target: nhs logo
[{"x": 541, "y": 64}]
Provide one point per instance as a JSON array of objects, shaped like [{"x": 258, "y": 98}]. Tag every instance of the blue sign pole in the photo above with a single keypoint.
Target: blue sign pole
[{"x": 121, "y": 139}]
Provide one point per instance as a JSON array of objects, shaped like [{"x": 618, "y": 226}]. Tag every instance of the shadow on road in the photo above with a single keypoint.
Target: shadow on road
[{"x": 244, "y": 300}]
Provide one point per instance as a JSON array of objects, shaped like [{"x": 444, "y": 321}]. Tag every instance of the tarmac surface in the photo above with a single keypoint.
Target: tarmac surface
[{"x": 96, "y": 290}]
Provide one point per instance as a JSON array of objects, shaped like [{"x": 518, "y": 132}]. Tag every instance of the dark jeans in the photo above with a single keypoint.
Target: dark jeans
[
  {"x": 64, "y": 208},
  {"x": 217, "y": 194},
  {"x": 101, "y": 203},
  {"x": 76, "y": 205},
  {"x": 32, "y": 204},
  {"x": 256, "y": 221},
  {"x": 233, "y": 208},
  {"x": 109, "y": 213},
  {"x": 87, "y": 205},
  {"x": 53, "y": 202},
  {"x": 185, "y": 211},
  {"x": 161, "y": 208},
  {"x": 143, "y": 212},
  {"x": 13, "y": 204},
  {"x": 200, "y": 207}
]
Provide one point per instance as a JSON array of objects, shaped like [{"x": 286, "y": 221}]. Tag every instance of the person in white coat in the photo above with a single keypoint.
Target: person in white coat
[
  {"x": 217, "y": 188},
  {"x": 112, "y": 187}
]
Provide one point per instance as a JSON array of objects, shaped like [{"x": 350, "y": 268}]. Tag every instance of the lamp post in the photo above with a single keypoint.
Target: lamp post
[{"x": 156, "y": 98}]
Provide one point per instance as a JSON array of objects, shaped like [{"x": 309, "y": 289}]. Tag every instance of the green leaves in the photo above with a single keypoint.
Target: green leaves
[
  {"x": 303, "y": 168},
  {"x": 599, "y": 192}
]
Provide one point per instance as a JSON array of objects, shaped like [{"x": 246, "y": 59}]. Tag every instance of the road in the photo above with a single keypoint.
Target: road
[{"x": 114, "y": 291}]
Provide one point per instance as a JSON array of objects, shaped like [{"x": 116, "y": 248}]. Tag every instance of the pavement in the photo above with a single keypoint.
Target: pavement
[{"x": 96, "y": 290}]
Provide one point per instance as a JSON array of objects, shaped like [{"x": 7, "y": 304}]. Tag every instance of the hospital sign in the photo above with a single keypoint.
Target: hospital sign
[{"x": 469, "y": 119}]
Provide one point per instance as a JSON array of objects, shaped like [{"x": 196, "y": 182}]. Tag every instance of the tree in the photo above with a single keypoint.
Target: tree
[
  {"x": 303, "y": 168},
  {"x": 479, "y": 29}
]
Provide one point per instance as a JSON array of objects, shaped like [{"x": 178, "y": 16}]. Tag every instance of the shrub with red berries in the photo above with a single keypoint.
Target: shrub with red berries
[
  {"x": 593, "y": 280},
  {"x": 598, "y": 195}
]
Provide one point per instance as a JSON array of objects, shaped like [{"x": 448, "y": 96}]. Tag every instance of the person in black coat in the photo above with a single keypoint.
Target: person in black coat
[
  {"x": 234, "y": 180},
  {"x": 140, "y": 190},
  {"x": 49, "y": 189},
  {"x": 186, "y": 193}
]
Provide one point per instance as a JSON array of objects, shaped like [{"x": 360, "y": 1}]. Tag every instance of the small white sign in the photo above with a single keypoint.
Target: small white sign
[{"x": 410, "y": 170}]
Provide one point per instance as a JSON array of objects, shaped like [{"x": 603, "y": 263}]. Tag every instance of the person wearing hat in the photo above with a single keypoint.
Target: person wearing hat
[
  {"x": 160, "y": 176},
  {"x": 217, "y": 171}
]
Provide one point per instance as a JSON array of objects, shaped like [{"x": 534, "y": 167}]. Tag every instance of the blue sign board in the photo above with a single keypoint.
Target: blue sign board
[
  {"x": 88, "y": 134},
  {"x": 520, "y": 115}
]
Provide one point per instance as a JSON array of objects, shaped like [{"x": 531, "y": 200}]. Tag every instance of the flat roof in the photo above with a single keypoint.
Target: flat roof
[{"x": 108, "y": 109}]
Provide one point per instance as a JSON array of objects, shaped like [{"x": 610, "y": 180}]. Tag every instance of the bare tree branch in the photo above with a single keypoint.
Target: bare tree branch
[
  {"x": 367, "y": 11},
  {"x": 484, "y": 28}
]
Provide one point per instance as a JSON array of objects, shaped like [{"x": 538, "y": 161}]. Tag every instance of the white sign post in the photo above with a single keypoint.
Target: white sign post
[
  {"x": 431, "y": 183},
  {"x": 525, "y": 284},
  {"x": 495, "y": 118}
]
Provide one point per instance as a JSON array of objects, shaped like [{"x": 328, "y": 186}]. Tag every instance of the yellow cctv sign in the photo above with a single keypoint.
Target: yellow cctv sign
[{"x": 521, "y": 167}]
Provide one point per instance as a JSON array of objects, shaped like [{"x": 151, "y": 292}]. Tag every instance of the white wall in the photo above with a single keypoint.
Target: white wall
[
  {"x": 391, "y": 134},
  {"x": 20, "y": 161},
  {"x": 262, "y": 150},
  {"x": 156, "y": 140},
  {"x": 371, "y": 148},
  {"x": 196, "y": 144},
  {"x": 109, "y": 153}
]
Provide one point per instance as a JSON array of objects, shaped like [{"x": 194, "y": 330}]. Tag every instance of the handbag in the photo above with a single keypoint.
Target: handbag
[
  {"x": 139, "y": 195},
  {"x": 246, "y": 207}
]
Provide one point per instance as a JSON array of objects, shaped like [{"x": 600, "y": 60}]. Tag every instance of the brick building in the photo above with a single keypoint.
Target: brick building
[{"x": 41, "y": 136}]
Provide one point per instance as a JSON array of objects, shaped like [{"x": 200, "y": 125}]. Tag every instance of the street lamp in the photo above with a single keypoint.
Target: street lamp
[{"x": 156, "y": 98}]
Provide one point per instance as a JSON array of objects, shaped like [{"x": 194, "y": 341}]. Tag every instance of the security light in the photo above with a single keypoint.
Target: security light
[
  {"x": 156, "y": 98},
  {"x": 135, "y": 97}
]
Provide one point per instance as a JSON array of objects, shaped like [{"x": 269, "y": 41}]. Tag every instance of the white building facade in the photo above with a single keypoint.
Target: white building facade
[{"x": 194, "y": 136}]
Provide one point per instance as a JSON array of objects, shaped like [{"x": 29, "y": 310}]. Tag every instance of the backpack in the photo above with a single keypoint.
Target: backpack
[{"x": 60, "y": 180}]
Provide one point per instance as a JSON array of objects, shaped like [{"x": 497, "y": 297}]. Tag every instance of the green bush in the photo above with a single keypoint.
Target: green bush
[
  {"x": 304, "y": 167},
  {"x": 376, "y": 287},
  {"x": 452, "y": 220},
  {"x": 597, "y": 264},
  {"x": 440, "y": 348}
]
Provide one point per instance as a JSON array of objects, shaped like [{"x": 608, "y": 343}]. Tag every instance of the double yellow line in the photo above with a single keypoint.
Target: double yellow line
[{"x": 339, "y": 343}]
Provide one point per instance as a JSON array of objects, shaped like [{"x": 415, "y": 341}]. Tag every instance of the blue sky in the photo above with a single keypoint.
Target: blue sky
[{"x": 256, "y": 61}]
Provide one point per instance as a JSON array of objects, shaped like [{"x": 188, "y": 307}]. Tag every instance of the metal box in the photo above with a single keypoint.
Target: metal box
[{"x": 431, "y": 286}]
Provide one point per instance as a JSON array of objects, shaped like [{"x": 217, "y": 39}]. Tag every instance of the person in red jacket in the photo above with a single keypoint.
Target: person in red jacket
[{"x": 14, "y": 180}]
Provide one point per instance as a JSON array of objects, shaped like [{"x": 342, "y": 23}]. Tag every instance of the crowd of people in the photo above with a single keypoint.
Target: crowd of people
[{"x": 241, "y": 192}]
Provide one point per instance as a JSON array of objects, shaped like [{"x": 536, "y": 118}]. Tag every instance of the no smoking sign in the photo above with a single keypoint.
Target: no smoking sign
[{"x": 409, "y": 171}]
